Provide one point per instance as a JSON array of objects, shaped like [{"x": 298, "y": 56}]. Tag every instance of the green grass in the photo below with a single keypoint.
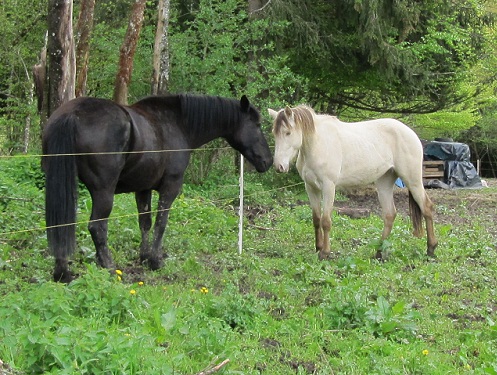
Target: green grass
[{"x": 274, "y": 309}]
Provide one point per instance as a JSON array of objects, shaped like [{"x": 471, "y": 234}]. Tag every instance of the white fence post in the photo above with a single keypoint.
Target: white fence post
[{"x": 240, "y": 210}]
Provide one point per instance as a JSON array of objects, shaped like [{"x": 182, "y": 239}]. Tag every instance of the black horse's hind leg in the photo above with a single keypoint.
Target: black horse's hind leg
[
  {"x": 101, "y": 208},
  {"x": 143, "y": 202},
  {"x": 167, "y": 195}
]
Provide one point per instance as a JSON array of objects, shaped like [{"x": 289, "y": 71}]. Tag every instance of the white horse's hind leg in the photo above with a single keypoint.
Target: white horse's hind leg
[
  {"x": 426, "y": 208},
  {"x": 385, "y": 185},
  {"x": 431, "y": 240}
]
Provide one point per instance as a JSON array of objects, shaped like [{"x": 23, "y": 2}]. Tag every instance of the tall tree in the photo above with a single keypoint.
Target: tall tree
[
  {"x": 127, "y": 52},
  {"x": 161, "y": 67},
  {"x": 61, "y": 54},
  {"x": 83, "y": 32},
  {"x": 383, "y": 55}
]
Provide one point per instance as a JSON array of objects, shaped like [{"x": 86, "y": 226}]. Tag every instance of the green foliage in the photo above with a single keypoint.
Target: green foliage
[
  {"x": 89, "y": 327},
  {"x": 21, "y": 202},
  {"x": 386, "y": 319},
  {"x": 273, "y": 309},
  {"x": 23, "y": 35},
  {"x": 381, "y": 55},
  {"x": 226, "y": 57},
  {"x": 204, "y": 51},
  {"x": 443, "y": 123}
]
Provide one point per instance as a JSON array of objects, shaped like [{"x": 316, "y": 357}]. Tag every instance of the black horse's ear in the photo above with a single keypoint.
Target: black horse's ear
[{"x": 244, "y": 103}]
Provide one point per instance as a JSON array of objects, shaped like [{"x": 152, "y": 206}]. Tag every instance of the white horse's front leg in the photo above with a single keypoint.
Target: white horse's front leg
[
  {"x": 315, "y": 200},
  {"x": 328, "y": 194}
]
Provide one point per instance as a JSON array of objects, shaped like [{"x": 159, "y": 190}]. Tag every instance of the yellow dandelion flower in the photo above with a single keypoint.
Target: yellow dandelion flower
[
  {"x": 119, "y": 272},
  {"x": 118, "y": 278},
  {"x": 132, "y": 292},
  {"x": 140, "y": 283},
  {"x": 425, "y": 352},
  {"x": 204, "y": 290}
]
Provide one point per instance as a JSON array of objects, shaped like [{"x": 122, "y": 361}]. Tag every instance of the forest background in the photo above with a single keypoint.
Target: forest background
[{"x": 430, "y": 64}]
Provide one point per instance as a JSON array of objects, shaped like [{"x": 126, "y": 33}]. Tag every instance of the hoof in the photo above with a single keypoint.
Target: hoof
[
  {"x": 154, "y": 263},
  {"x": 63, "y": 276},
  {"x": 431, "y": 254},
  {"x": 61, "y": 273},
  {"x": 105, "y": 261},
  {"x": 322, "y": 255},
  {"x": 379, "y": 256}
]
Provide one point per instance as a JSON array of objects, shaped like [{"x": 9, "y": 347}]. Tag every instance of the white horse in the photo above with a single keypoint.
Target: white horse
[{"x": 332, "y": 154}]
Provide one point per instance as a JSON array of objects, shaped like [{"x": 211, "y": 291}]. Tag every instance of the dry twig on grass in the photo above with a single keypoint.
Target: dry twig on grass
[{"x": 214, "y": 369}]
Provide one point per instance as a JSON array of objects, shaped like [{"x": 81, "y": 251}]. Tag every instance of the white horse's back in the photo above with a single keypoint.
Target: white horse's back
[{"x": 359, "y": 153}]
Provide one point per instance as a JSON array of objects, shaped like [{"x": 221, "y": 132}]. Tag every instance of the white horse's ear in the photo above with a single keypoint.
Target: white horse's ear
[
  {"x": 288, "y": 112},
  {"x": 272, "y": 113}
]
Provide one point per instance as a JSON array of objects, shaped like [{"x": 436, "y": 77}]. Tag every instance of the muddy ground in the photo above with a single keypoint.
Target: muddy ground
[{"x": 457, "y": 207}]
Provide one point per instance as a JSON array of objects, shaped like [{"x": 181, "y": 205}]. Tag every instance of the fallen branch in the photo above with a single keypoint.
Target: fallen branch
[
  {"x": 260, "y": 227},
  {"x": 214, "y": 369},
  {"x": 4, "y": 198}
]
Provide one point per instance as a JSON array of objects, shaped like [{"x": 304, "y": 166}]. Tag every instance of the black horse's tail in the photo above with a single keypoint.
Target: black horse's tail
[{"x": 60, "y": 185}]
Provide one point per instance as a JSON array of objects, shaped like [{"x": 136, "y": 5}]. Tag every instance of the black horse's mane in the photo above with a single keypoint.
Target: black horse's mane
[{"x": 200, "y": 112}]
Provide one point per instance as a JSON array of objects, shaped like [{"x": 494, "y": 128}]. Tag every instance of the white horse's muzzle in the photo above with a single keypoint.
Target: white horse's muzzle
[{"x": 281, "y": 168}]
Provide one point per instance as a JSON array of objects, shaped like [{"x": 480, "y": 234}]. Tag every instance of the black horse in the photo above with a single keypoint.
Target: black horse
[{"x": 139, "y": 148}]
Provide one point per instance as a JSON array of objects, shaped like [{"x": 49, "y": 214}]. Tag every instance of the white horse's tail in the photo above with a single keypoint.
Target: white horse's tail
[{"x": 416, "y": 216}]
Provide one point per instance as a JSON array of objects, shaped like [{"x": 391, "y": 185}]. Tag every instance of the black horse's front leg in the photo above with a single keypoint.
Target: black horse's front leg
[
  {"x": 167, "y": 195},
  {"x": 61, "y": 271}
]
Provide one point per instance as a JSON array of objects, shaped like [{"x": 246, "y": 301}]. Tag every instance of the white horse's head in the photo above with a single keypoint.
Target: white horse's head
[{"x": 287, "y": 136}]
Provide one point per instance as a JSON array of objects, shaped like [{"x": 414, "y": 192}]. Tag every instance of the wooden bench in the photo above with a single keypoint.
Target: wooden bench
[{"x": 433, "y": 170}]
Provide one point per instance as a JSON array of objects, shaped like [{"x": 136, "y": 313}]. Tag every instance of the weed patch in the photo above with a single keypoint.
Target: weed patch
[{"x": 274, "y": 309}]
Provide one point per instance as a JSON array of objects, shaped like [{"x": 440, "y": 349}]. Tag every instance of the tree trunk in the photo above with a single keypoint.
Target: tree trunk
[
  {"x": 40, "y": 80},
  {"x": 61, "y": 56},
  {"x": 254, "y": 6},
  {"x": 160, "y": 76},
  {"x": 127, "y": 52},
  {"x": 83, "y": 31}
]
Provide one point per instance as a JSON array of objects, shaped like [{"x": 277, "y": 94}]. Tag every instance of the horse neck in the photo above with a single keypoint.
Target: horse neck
[
  {"x": 311, "y": 141},
  {"x": 199, "y": 134},
  {"x": 209, "y": 118}
]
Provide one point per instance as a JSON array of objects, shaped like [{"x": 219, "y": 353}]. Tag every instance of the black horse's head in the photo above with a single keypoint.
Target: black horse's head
[{"x": 249, "y": 139}]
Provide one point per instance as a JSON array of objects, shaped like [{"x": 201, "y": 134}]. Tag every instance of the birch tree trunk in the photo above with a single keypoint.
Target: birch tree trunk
[
  {"x": 160, "y": 74},
  {"x": 61, "y": 55},
  {"x": 83, "y": 32},
  {"x": 127, "y": 52}
]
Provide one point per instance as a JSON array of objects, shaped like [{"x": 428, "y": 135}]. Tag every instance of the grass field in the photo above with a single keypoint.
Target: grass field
[{"x": 274, "y": 309}]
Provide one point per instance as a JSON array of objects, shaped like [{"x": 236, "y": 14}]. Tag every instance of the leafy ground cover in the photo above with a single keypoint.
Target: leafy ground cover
[{"x": 273, "y": 309}]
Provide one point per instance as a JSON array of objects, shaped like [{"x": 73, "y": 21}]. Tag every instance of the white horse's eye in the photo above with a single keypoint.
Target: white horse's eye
[{"x": 288, "y": 134}]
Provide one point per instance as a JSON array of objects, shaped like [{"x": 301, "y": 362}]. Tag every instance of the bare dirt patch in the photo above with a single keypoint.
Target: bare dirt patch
[{"x": 457, "y": 207}]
